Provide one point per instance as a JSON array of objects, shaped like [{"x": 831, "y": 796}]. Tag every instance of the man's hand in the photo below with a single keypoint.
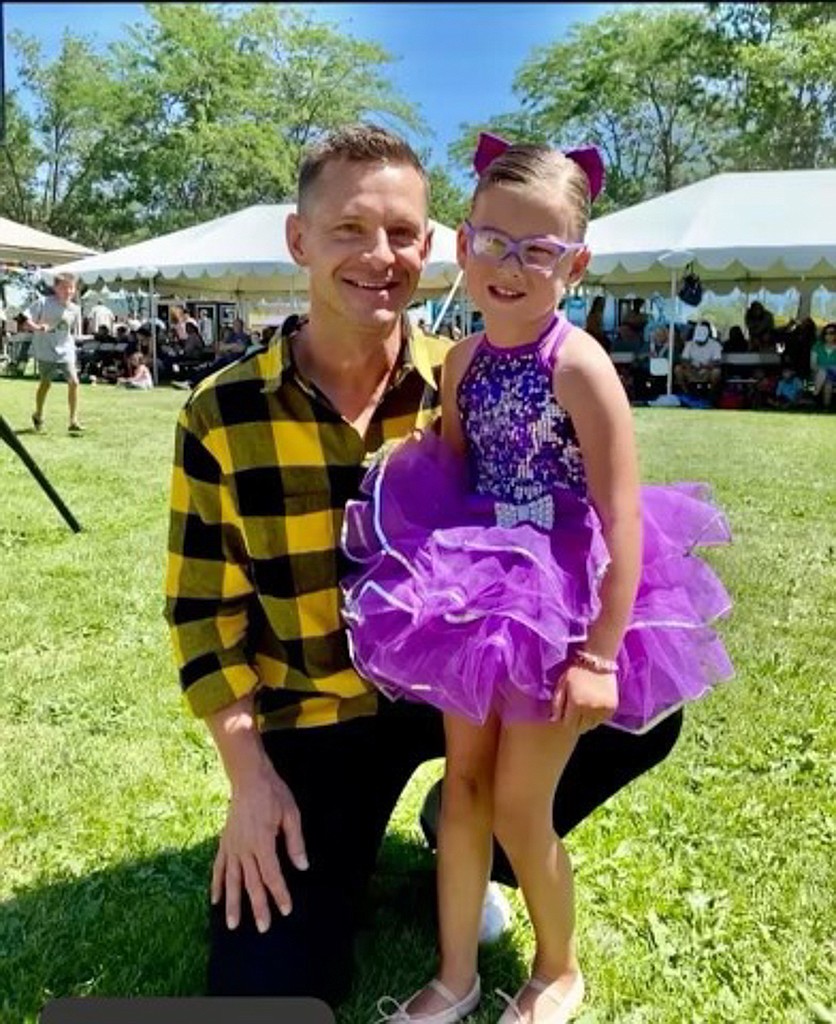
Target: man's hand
[
  {"x": 584, "y": 699},
  {"x": 261, "y": 806}
]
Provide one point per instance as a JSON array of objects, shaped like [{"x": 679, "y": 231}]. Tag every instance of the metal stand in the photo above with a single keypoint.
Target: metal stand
[{"x": 12, "y": 440}]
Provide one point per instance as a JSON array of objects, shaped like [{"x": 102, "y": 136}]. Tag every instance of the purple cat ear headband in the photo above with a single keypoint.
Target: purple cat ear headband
[{"x": 588, "y": 158}]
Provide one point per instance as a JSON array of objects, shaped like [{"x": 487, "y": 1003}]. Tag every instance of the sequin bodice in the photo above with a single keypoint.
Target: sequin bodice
[{"x": 521, "y": 442}]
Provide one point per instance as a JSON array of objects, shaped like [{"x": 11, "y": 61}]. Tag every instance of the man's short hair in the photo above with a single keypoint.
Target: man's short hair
[{"x": 358, "y": 143}]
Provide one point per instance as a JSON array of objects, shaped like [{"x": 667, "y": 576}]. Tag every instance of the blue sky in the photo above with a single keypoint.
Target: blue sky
[{"x": 456, "y": 60}]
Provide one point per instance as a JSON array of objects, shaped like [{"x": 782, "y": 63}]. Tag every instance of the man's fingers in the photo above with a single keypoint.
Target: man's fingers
[
  {"x": 272, "y": 877},
  {"x": 218, "y": 869},
  {"x": 232, "y": 886},
  {"x": 256, "y": 892},
  {"x": 294, "y": 841}
]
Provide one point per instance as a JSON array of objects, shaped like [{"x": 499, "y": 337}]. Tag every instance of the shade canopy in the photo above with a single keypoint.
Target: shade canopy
[
  {"x": 243, "y": 254},
  {"x": 22, "y": 244},
  {"x": 770, "y": 229}
]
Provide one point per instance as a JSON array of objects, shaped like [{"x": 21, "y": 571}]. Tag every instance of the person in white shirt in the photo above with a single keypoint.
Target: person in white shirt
[
  {"x": 101, "y": 316},
  {"x": 55, "y": 321},
  {"x": 701, "y": 360},
  {"x": 207, "y": 329}
]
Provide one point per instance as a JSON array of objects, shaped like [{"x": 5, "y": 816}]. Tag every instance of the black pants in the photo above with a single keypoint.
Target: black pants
[{"x": 347, "y": 779}]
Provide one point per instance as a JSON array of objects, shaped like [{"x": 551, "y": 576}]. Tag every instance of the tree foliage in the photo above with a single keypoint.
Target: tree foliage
[
  {"x": 199, "y": 112},
  {"x": 781, "y": 83},
  {"x": 672, "y": 94},
  {"x": 448, "y": 200}
]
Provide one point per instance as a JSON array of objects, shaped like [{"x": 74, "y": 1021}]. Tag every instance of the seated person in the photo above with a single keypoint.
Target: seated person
[
  {"x": 237, "y": 341},
  {"x": 631, "y": 330},
  {"x": 139, "y": 376},
  {"x": 798, "y": 346},
  {"x": 701, "y": 359},
  {"x": 788, "y": 391},
  {"x": 230, "y": 348},
  {"x": 736, "y": 341},
  {"x": 656, "y": 347},
  {"x": 595, "y": 322},
  {"x": 760, "y": 325},
  {"x": 823, "y": 365},
  {"x": 193, "y": 341}
]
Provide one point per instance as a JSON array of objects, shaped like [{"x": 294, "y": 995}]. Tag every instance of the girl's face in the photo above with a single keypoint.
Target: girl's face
[{"x": 517, "y": 299}]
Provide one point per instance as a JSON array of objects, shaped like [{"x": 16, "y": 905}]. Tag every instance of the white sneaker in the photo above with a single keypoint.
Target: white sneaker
[{"x": 496, "y": 914}]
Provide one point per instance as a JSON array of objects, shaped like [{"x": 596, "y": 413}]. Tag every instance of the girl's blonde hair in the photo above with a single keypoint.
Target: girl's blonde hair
[{"x": 535, "y": 164}]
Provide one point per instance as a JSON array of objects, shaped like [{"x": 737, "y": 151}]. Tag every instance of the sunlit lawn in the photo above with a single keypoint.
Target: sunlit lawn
[{"x": 706, "y": 892}]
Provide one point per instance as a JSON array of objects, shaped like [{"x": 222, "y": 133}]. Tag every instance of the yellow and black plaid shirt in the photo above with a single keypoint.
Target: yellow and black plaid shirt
[{"x": 263, "y": 468}]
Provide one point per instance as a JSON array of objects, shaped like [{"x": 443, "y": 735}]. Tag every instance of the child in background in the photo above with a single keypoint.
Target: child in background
[
  {"x": 515, "y": 575},
  {"x": 789, "y": 389},
  {"x": 139, "y": 376}
]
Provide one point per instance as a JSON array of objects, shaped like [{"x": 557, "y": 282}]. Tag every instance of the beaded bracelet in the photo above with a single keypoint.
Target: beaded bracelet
[{"x": 594, "y": 663}]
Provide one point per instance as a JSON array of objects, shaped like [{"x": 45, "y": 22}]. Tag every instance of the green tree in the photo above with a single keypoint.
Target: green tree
[
  {"x": 638, "y": 83},
  {"x": 448, "y": 201},
  {"x": 198, "y": 113},
  {"x": 230, "y": 100},
  {"x": 56, "y": 154},
  {"x": 19, "y": 161},
  {"x": 674, "y": 94},
  {"x": 781, "y": 82}
]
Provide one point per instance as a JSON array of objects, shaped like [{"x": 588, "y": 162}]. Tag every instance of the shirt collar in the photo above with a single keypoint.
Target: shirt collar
[{"x": 415, "y": 355}]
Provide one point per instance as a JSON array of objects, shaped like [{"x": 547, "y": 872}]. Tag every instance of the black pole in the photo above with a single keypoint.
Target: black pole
[{"x": 12, "y": 440}]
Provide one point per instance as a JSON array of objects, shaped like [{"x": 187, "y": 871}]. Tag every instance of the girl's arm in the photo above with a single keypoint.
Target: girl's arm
[
  {"x": 456, "y": 362},
  {"x": 587, "y": 386}
]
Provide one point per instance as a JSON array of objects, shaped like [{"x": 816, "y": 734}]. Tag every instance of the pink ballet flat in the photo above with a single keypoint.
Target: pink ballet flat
[
  {"x": 393, "y": 1012},
  {"x": 563, "y": 1005}
]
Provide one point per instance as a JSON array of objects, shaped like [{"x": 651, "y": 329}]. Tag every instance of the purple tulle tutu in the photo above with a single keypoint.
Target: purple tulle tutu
[{"x": 447, "y": 607}]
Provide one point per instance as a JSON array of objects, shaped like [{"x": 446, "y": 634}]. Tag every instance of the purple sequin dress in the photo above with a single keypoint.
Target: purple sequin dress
[{"x": 475, "y": 580}]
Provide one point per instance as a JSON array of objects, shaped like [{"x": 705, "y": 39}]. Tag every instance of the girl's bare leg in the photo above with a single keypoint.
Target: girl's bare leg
[
  {"x": 530, "y": 760},
  {"x": 464, "y": 855}
]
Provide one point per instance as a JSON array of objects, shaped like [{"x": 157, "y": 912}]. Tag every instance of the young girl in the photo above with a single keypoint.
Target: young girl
[{"x": 517, "y": 577}]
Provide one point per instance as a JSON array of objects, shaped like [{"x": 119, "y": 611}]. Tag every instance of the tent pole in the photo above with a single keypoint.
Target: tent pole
[
  {"x": 671, "y": 330},
  {"x": 447, "y": 301},
  {"x": 152, "y": 305}
]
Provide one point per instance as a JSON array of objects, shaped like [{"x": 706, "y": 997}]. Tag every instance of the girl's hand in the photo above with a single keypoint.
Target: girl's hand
[{"x": 584, "y": 699}]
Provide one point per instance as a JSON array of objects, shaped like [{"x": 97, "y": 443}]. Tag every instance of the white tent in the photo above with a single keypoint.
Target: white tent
[
  {"x": 22, "y": 244},
  {"x": 753, "y": 230},
  {"x": 242, "y": 255},
  {"x": 770, "y": 229}
]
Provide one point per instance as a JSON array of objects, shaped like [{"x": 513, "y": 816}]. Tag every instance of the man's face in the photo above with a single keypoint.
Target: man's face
[{"x": 363, "y": 236}]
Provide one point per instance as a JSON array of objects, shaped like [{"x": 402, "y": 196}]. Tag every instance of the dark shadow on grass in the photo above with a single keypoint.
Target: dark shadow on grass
[
  {"x": 140, "y": 929},
  {"x": 135, "y": 929}
]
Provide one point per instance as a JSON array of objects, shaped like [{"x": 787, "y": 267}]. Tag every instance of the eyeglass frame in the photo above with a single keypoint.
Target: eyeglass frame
[{"x": 513, "y": 247}]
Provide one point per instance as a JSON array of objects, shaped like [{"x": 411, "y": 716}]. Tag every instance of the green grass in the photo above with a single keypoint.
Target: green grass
[{"x": 706, "y": 892}]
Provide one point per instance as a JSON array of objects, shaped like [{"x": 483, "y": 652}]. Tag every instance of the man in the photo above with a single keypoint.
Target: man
[
  {"x": 268, "y": 452},
  {"x": 206, "y": 326},
  {"x": 237, "y": 340},
  {"x": 701, "y": 361},
  {"x": 101, "y": 316},
  {"x": 55, "y": 320},
  {"x": 760, "y": 326}
]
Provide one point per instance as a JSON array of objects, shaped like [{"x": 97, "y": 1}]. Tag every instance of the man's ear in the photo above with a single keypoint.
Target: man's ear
[
  {"x": 428, "y": 243},
  {"x": 295, "y": 236}
]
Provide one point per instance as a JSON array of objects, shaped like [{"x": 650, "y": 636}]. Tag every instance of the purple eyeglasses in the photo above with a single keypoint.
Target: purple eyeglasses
[{"x": 537, "y": 252}]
